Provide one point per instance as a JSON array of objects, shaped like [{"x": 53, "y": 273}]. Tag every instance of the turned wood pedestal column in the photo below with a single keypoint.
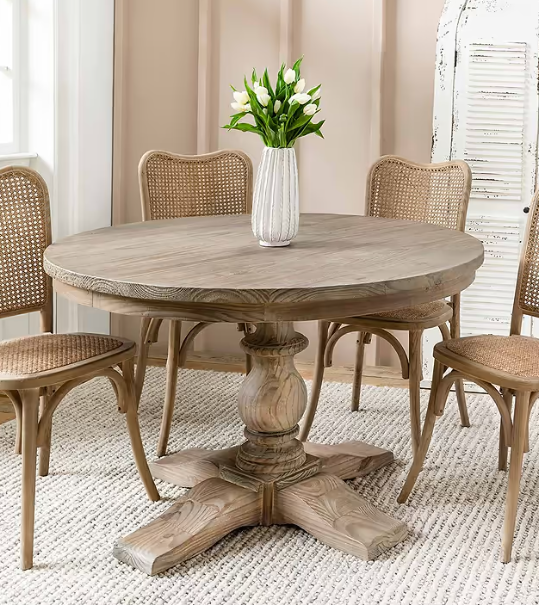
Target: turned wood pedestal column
[{"x": 271, "y": 478}]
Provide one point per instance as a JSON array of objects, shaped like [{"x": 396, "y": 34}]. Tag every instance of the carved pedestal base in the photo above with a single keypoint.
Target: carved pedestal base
[
  {"x": 272, "y": 478},
  {"x": 322, "y": 505}
]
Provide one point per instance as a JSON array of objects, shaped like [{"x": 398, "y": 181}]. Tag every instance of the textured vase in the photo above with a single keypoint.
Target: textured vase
[{"x": 275, "y": 217}]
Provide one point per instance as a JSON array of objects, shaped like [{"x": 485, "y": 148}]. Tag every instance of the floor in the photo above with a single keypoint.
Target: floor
[{"x": 93, "y": 496}]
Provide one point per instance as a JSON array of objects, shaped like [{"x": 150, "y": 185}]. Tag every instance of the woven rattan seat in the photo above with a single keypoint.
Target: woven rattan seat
[
  {"x": 46, "y": 352},
  {"x": 426, "y": 312},
  {"x": 517, "y": 355}
]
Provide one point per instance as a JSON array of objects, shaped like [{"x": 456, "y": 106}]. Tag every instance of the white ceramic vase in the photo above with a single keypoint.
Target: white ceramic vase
[{"x": 275, "y": 217}]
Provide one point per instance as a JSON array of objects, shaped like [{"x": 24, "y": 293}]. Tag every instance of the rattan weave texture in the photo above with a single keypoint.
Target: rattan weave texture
[
  {"x": 24, "y": 235},
  {"x": 517, "y": 355},
  {"x": 424, "y": 312},
  {"x": 436, "y": 194},
  {"x": 44, "y": 352},
  {"x": 207, "y": 185},
  {"x": 528, "y": 295}
]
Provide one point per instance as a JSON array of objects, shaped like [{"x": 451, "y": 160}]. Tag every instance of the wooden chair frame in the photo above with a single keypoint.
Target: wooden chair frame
[
  {"x": 514, "y": 432},
  {"x": 35, "y": 397},
  {"x": 149, "y": 331},
  {"x": 329, "y": 333}
]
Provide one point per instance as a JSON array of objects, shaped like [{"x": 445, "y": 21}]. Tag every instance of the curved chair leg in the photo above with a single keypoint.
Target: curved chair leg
[
  {"x": 463, "y": 407},
  {"x": 174, "y": 337},
  {"x": 416, "y": 363},
  {"x": 142, "y": 356},
  {"x": 454, "y": 325},
  {"x": 426, "y": 435},
  {"x": 323, "y": 328},
  {"x": 15, "y": 399},
  {"x": 30, "y": 409},
  {"x": 45, "y": 445},
  {"x": 515, "y": 471},
  {"x": 363, "y": 338},
  {"x": 134, "y": 432},
  {"x": 503, "y": 449}
]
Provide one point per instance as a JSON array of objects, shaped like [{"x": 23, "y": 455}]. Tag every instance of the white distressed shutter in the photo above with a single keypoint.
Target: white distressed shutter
[{"x": 486, "y": 112}]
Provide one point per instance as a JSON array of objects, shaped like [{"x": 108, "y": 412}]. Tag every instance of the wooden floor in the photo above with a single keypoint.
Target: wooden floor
[{"x": 379, "y": 376}]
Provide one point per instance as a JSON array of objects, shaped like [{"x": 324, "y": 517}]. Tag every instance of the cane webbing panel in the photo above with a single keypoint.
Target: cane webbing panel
[
  {"x": 34, "y": 354},
  {"x": 528, "y": 295},
  {"x": 198, "y": 185},
  {"x": 24, "y": 235},
  {"x": 436, "y": 194},
  {"x": 517, "y": 355},
  {"x": 419, "y": 312}
]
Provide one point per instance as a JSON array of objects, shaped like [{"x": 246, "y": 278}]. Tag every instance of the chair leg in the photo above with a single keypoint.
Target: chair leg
[
  {"x": 517, "y": 454},
  {"x": 503, "y": 449},
  {"x": 454, "y": 325},
  {"x": 30, "y": 408},
  {"x": 45, "y": 446},
  {"x": 461, "y": 400},
  {"x": 358, "y": 370},
  {"x": 142, "y": 356},
  {"x": 426, "y": 436},
  {"x": 416, "y": 363},
  {"x": 323, "y": 328},
  {"x": 18, "y": 432},
  {"x": 134, "y": 432},
  {"x": 174, "y": 337}
]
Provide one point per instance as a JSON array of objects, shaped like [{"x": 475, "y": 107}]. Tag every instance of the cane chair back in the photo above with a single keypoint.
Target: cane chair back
[
  {"x": 527, "y": 289},
  {"x": 427, "y": 193},
  {"x": 176, "y": 186},
  {"x": 25, "y": 232}
]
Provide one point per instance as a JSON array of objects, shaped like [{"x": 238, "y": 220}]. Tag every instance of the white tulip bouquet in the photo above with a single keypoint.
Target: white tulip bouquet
[{"x": 282, "y": 114}]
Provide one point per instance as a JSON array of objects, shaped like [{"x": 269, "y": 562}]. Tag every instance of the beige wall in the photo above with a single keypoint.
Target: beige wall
[{"x": 175, "y": 61}]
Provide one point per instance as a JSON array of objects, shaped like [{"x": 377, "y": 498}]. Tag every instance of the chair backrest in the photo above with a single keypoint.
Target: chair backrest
[
  {"x": 25, "y": 232},
  {"x": 426, "y": 193},
  {"x": 175, "y": 186},
  {"x": 527, "y": 288}
]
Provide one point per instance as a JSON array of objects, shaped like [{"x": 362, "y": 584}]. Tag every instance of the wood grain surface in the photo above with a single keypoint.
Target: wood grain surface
[{"x": 371, "y": 263}]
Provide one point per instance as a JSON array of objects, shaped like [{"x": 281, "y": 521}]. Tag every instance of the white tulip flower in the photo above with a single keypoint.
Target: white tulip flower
[
  {"x": 277, "y": 106},
  {"x": 240, "y": 106},
  {"x": 310, "y": 110},
  {"x": 263, "y": 98},
  {"x": 256, "y": 84},
  {"x": 289, "y": 76},
  {"x": 260, "y": 90},
  {"x": 300, "y": 86},
  {"x": 241, "y": 97},
  {"x": 317, "y": 94},
  {"x": 300, "y": 98}
]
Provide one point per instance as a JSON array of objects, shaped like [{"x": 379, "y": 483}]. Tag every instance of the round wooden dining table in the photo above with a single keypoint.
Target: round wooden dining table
[{"x": 211, "y": 269}]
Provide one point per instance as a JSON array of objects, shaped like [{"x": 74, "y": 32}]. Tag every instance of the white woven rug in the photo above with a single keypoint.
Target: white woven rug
[{"x": 93, "y": 496}]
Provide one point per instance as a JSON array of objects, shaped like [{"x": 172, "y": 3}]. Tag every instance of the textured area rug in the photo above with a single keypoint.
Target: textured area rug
[{"x": 93, "y": 495}]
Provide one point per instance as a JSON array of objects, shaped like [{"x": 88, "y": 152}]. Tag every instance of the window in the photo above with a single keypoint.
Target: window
[{"x": 9, "y": 76}]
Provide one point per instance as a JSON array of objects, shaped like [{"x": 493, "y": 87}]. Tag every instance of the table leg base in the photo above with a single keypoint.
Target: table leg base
[
  {"x": 210, "y": 511},
  {"x": 323, "y": 505},
  {"x": 345, "y": 460}
]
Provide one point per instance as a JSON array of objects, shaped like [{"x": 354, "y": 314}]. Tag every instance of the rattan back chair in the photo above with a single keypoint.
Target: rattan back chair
[
  {"x": 437, "y": 194},
  {"x": 507, "y": 368},
  {"x": 176, "y": 186},
  {"x": 38, "y": 371},
  {"x": 403, "y": 190}
]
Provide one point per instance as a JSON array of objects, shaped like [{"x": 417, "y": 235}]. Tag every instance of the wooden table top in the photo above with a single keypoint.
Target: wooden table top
[{"x": 337, "y": 262}]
